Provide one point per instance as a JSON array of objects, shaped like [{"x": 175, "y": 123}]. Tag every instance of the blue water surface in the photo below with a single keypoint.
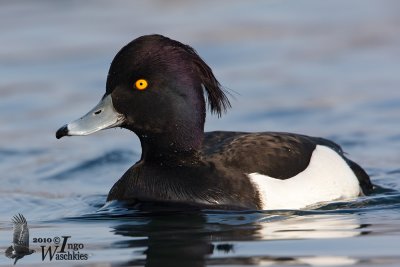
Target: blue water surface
[{"x": 322, "y": 68}]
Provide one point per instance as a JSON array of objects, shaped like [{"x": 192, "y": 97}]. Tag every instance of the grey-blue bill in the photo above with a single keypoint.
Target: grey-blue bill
[{"x": 102, "y": 116}]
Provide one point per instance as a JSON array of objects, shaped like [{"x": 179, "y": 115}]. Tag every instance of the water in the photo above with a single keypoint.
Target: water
[{"x": 324, "y": 68}]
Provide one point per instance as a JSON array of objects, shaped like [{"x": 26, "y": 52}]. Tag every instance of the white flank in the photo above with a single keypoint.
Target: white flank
[{"x": 327, "y": 178}]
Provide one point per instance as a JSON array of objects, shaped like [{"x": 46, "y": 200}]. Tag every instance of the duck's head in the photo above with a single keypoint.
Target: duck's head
[{"x": 156, "y": 87}]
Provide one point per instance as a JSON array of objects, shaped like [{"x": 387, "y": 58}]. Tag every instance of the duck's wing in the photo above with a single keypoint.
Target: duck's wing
[
  {"x": 274, "y": 154},
  {"x": 278, "y": 155},
  {"x": 21, "y": 233}
]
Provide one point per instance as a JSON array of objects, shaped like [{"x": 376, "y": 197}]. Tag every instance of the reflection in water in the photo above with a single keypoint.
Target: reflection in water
[
  {"x": 200, "y": 239},
  {"x": 169, "y": 240},
  {"x": 270, "y": 260},
  {"x": 312, "y": 227}
]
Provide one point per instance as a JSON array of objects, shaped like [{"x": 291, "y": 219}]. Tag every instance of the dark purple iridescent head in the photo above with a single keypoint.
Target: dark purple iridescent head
[{"x": 170, "y": 110}]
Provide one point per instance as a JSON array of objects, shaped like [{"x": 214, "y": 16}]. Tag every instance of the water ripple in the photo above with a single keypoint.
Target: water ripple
[{"x": 108, "y": 159}]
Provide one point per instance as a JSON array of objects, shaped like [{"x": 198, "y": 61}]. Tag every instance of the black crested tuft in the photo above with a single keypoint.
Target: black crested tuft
[{"x": 217, "y": 100}]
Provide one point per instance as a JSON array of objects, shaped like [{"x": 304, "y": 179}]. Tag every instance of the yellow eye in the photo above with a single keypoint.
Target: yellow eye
[{"x": 141, "y": 84}]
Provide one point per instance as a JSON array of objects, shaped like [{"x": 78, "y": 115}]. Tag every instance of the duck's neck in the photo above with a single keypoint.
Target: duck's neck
[{"x": 181, "y": 145}]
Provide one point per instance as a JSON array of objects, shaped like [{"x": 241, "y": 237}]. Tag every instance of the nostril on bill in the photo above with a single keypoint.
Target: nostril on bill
[{"x": 97, "y": 112}]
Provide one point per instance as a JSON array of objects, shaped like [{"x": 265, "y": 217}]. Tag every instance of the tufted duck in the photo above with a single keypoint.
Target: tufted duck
[{"x": 155, "y": 88}]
